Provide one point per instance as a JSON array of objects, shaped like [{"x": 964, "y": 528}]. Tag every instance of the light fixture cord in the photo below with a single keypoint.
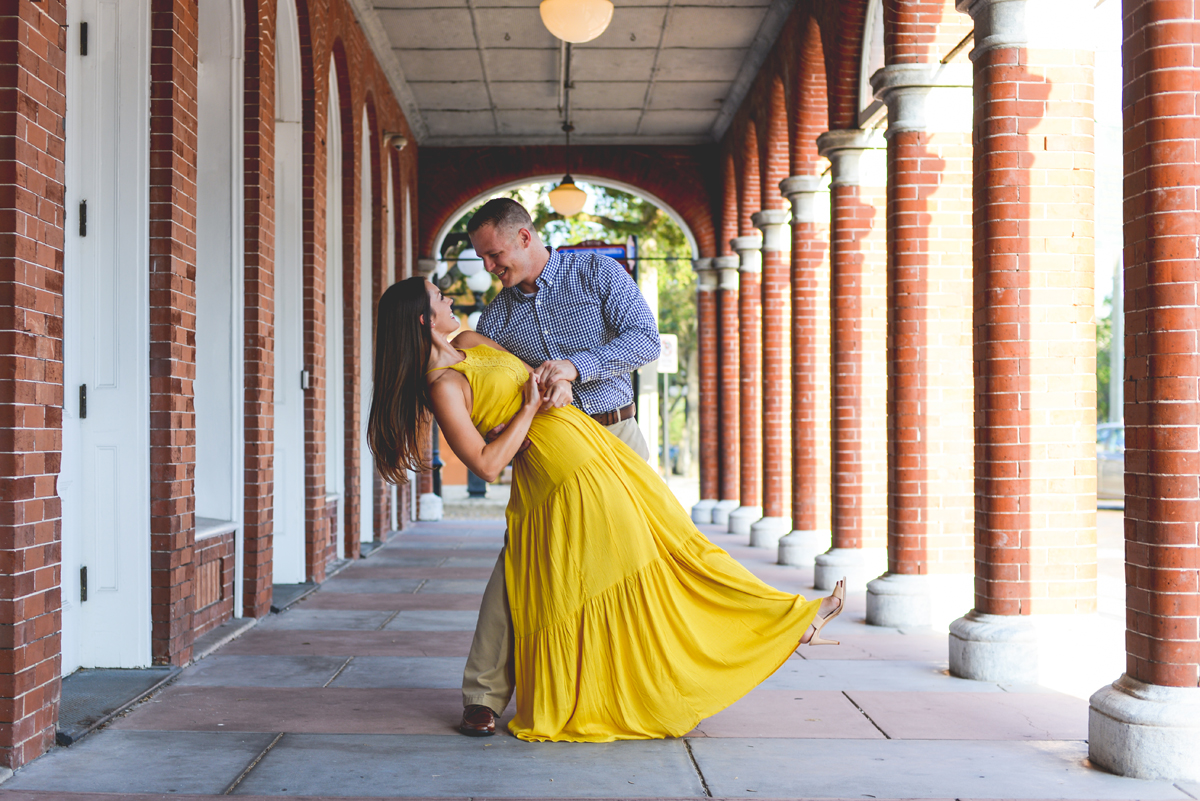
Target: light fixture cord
[{"x": 567, "y": 126}]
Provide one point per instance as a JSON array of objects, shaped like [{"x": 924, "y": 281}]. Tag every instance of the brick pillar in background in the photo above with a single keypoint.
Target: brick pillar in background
[
  {"x": 776, "y": 386},
  {"x": 749, "y": 250},
  {"x": 259, "y": 161},
  {"x": 930, "y": 460},
  {"x": 728, "y": 387},
  {"x": 710, "y": 418},
  {"x": 809, "y": 197},
  {"x": 1034, "y": 334},
  {"x": 173, "y": 124},
  {"x": 858, "y": 382},
  {"x": 31, "y": 372},
  {"x": 1147, "y": 723},
  {"x": 429, "y": 505}
]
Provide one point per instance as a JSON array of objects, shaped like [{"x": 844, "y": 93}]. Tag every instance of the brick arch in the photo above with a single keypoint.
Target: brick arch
[
  {"x": 921, "y": 31},
  {"x": 749, "y": 182},
  {"x": 842, "y": 30},
  {"x": 774, "y": 147},
  {"x": 729, "y": 208},
  {"x": 809, "y": 106},
  {"x": 681, "y": 177}
]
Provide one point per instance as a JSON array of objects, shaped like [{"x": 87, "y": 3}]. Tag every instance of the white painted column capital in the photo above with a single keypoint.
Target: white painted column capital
[
  {"x": 426, "y": 267},
  {"x": 809, "y": 196},
  {"x": 1058, "y": 25},
  {"x": 771, "y": 222},
  {"x": 726, "y": 268},
  {"x": 847, "y": 150},
  {"x": 749, "y": 250},
  {"x": 923, "y": 97},
  {"x": 707, "y": 277}
]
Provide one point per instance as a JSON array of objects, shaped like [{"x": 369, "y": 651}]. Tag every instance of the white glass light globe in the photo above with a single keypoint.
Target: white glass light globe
[
  {"x": 473, "y": 319},
  {"x": 566, "y": 198},
  {"x": 576, "y": 21},
  {"x": 469, "y": 262},
  {"x": 479, "y": 282}
]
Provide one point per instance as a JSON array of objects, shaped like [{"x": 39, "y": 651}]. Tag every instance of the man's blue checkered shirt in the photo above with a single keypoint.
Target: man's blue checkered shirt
[{"x": 586, "y": 310}]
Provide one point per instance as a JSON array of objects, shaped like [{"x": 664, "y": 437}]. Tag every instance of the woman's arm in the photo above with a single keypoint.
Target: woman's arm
[{"x": 452, "y": 408}]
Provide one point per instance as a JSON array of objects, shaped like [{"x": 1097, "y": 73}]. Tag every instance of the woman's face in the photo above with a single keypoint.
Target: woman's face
[{"x": 441, "y": 311}]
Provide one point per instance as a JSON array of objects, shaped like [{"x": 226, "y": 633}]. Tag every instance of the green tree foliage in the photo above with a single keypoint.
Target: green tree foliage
[{"x": 1103, "y": 359}]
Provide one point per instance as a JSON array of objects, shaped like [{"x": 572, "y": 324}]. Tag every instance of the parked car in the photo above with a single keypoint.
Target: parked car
[{"x": 1110, "y": 461}]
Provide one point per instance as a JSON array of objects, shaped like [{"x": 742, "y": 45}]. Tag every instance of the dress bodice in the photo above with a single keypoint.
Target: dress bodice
[{"x": 496, "y": 380}]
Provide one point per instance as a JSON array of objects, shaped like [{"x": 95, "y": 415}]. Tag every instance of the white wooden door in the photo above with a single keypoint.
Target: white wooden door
[
  {"x": 366, "y": 463},
  {"x": 335, "y": 379},
  {"x": 288, "y": 544},
  {"x": 105, "y": 478}
]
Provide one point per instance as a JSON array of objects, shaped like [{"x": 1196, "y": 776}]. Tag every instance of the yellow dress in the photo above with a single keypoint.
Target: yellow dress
[{"x": 628, "y": 622}]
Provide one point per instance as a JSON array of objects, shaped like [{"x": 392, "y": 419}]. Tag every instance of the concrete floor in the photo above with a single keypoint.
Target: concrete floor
[{"x": 353, "y": 693}]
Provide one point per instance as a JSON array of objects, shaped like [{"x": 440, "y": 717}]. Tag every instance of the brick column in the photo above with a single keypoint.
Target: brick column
[
  {"x": 1147, "y": 723},
  {"x": 809, "y": 196},
  {"x": 429, "y": 505},
  {"x": 710, "y": 418},
  {"x": 749, "y": 250},
  {"x": 1034, "y": 335},
  {"x": 858, "y": 381},
  {"x": 929, "y": 409},
  {"x": 728, "y": 387},
  {"x": 776, "y": 386},
  {"x": 31, "y": 374}
]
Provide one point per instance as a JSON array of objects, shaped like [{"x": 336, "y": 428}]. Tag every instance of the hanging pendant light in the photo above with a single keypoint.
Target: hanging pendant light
[
  {"x": 576, "y": 20},
  {"x": 567, "y": 198}
]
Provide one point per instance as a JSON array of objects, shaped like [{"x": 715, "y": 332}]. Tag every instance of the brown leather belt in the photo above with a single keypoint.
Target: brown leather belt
[{"x": 615, "y": 416}]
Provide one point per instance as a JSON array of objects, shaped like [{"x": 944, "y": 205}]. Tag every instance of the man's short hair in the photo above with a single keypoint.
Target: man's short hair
[{"x": 506, "y": 214}]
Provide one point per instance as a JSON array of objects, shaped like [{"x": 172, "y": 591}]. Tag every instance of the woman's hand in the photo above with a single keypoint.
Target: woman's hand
[{"x": 532, "y": 394}]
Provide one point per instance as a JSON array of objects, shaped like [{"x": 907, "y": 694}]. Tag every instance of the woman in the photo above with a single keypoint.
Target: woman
[{"x": 628, "y": 622}]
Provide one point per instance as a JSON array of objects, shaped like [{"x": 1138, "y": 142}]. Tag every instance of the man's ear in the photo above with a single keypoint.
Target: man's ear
[{"x": 525, "y": 236}]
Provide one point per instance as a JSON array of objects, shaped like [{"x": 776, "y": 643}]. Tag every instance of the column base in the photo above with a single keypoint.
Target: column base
[
  {"x": 431, "y": 507},
  {"x": 702, "y": 512},
  {"x": 1145, "y": 731},
  {"x": 767, "y": 532},
  {"x": 800, "y": 548},
  {"x": 741, "y": 518},
  {"x": 899, "y": 600},
  {"x": 999, "y": 648},
  {"x": 852, "y": 563},
  {"x": 720, "y": 512}
]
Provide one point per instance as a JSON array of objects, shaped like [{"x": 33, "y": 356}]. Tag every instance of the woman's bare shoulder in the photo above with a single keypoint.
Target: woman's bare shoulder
[{"x": 471, "y": 339}]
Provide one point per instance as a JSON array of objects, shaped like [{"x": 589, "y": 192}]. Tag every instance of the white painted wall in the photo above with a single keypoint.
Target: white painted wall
[
  {"x": 335, "y": 401},
  {"x": 288, "y": 544},
  {"x": 366, "y": 330},
  {"x": 104, "y": 481}
]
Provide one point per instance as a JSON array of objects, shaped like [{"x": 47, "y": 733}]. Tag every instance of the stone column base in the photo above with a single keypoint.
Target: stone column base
[
  {"x": 741, "y": 518},
  {"x": 720, "y": 512},
  {"x": 431, "y": 508},
  {"x": 836, "y": 563},
  {"x": 800, "y": 548},
  {"x": 1000, "y": 648},
  {"x": 767, "y": 532},
  {"x": 702, "y": 512},
  {"x": 899, "y": 600},
  {"x": 1146, "y": 731}
]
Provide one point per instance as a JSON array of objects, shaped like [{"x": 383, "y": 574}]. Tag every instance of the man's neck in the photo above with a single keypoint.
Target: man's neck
[{"x": 542, "y": 255}]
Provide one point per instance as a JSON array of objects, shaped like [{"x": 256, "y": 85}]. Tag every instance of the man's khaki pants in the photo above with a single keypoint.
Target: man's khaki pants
[{"x": 489, "y": 678}]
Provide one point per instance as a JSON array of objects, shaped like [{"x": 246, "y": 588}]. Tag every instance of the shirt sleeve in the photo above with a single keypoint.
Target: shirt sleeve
[{"x": 635, "y": 341}]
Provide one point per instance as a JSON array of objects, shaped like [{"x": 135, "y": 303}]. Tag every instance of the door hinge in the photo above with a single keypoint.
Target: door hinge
[
  {"x": 83, "y": 218},
  {"x": 83, "y": 584},
  {"x": 83, "y": 401},
  {"x": 83, "y": 38}
]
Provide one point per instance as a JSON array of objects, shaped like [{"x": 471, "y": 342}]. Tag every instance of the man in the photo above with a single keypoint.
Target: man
[{"x": 574, "y": 316}]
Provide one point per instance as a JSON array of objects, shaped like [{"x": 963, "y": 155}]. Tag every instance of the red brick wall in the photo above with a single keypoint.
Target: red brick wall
[
  {"x": 729, "y": 378},
  {"x": 173, "y": 77},
  {"x": 259, "y": 426},
  {"x": 1162, "y": 362},
  {"x": 729, "y": 207},
  {"x": 921, "y": 31},
  {"x": 685, "y": 178},
  {"x": 214, "y": 582},
  {"x": 750, "y": 330},
  {"x": 1034, "y": 334},
  {"x": 710, "y": 420},
  {"x": 32, "y": 38}
]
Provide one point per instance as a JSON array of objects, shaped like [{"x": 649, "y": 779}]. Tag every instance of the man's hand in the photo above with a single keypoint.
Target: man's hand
[
  {"x": 557, "y": 395},
  {"x": 498, "y": 430},
  {"x": 556, "y": 370}
]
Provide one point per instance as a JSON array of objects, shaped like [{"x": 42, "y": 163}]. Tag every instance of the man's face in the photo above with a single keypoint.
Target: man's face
[{"x": 505, "y": 256}]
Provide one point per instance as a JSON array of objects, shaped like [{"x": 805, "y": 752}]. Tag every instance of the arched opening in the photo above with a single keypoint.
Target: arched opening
[
  {"x": 335, "y": 403},
  {"x": 104, "y": 482},
  {"x": 289, "y": 464},
  {"x": 218, "y": 386}
]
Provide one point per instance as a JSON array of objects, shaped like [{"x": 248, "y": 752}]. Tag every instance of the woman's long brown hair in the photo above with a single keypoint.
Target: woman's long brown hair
[{"x": 400, "y": 406}]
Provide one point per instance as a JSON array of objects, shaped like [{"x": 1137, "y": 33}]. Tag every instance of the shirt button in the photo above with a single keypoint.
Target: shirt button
[{"x": 545, "y": 331}]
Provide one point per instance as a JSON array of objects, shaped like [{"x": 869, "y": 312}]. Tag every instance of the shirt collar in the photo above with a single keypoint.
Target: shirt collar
[{"x": 550, "y": 271}]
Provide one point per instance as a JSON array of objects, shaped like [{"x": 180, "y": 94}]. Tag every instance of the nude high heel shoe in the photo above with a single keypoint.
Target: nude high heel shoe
[{"x": 839, "y": 592}]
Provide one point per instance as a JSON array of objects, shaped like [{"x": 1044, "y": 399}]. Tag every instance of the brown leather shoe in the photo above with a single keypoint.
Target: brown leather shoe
[{"x": 478, "y": 721}]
